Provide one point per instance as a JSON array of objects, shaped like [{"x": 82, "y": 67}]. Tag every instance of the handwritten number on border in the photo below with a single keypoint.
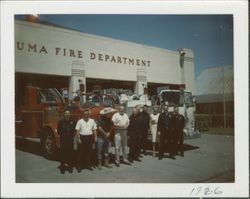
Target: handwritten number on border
[{"x": 205, "y": 191}]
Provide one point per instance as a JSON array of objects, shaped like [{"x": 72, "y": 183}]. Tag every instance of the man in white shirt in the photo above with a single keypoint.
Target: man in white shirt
[
  {"x": 86, "y": 130},
  {"x": 121, "y": 122}
]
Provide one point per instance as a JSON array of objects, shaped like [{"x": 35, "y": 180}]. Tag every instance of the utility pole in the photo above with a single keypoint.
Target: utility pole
[{"x": 223, "y": 78}]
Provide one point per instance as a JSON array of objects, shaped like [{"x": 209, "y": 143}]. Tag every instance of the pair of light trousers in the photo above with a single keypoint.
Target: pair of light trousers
[{"x": 120, "y": 142}]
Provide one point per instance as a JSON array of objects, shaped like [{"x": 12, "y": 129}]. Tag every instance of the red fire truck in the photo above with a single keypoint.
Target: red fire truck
[{"x": 37, "y": 118}]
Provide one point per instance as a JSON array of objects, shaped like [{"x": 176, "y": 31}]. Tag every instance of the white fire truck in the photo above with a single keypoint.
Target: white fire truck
[{"x": 186, "y": 103}]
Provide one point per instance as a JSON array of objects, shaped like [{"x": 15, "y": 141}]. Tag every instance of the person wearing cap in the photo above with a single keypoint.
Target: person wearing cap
[
  {"x": 86, "y": 130},
  {"x": 121, "y": 123},
  {"x": 164, "y": 127},
  {"x": 134, "y": 135},
  {"x": 66, "y": 131},
  {"x": 104, "y": 127},
  {"x": 178, "y": 130}
]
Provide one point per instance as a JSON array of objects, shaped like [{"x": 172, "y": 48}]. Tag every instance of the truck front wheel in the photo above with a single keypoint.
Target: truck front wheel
[{"x": 49, "y": 146}]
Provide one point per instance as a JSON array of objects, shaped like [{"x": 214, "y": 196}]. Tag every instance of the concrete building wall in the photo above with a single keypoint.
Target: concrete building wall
[
  {"x": 46, "y": 49},
  {"x": 188, "y": 68}
]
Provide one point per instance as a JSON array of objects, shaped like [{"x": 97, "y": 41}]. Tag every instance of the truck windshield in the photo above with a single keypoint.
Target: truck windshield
[
  {"x": 48, "y": 96},
  {"x": 175, "y": 98},
  {"x": 107, "y": 101},
  {"x": 102, "y": 100},
  {"x": 97, "y": 100}
]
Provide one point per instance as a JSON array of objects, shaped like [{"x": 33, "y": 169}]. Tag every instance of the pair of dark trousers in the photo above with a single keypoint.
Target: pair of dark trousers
[
  {"x": 134, "y": 150},
  {"x": 85, "y": 151},
  {"x": 166, "y": 140},
  {"x": 179, "y": 138},
  {"x": 66, "y": 150},
  {"x": 144, "y": 140}
]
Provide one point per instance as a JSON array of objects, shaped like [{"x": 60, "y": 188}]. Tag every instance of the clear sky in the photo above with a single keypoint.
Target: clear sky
[{"x": 209, "y": 36}]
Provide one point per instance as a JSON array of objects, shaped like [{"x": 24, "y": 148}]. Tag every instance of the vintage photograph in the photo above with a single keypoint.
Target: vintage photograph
[
  {"x": 124, "y": 99},
  {"x": 115, "y": 98}
]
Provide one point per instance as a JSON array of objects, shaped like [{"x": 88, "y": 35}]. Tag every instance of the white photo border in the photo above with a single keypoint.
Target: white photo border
[{"x": 9, "y": 188}]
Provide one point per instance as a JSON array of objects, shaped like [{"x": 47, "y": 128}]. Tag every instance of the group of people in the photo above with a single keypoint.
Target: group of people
[
  {"x": 93, "y": 137},
  {"x": 165, "y": 126}
]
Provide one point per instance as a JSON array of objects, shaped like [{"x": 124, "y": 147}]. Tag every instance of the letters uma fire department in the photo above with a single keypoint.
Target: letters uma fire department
[{"x": 76, "y": 53}]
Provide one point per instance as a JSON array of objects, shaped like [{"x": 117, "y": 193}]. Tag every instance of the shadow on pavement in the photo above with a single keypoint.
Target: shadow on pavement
[
  {"x": 27, "y": 146},
  {"x": 186, "y": 147},
  {"x": 35, "y": 148},
  {"x": 31, "y": 147}
]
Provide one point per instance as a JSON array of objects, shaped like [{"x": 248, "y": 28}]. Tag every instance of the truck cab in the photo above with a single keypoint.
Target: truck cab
[
  {"x": 185, "y": 101},
  {"x": 37, "y": 119}
]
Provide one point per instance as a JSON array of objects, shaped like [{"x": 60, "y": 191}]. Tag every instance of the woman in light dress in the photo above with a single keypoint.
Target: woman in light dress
[{"x": 153, "y": 126}]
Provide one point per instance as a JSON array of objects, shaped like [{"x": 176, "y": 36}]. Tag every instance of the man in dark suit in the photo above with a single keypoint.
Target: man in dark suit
[
  {"x": 164, "y": 126},
  {"x": 178, "y": 130},
  {"x": 66, "y": 131},
  {"x": 134, "y": 135}
]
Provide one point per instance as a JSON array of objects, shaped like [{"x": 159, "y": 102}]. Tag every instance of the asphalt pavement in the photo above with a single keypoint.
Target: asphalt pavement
[{"x": 209, "y": 158}]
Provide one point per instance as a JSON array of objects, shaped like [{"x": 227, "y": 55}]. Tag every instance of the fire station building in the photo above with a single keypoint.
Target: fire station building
[{"x": 47, "y": 55}]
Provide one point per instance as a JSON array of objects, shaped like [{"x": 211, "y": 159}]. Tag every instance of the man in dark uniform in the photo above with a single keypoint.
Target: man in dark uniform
[
  {"x": 164, "y": 126},
  {"x": 179, "y": 125},
  {"x": 144, "y": 128},
  {"x": 66, "y": 131},
  {"x": 171, "y": 135},
  {"x": 134, "y": 135}
]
